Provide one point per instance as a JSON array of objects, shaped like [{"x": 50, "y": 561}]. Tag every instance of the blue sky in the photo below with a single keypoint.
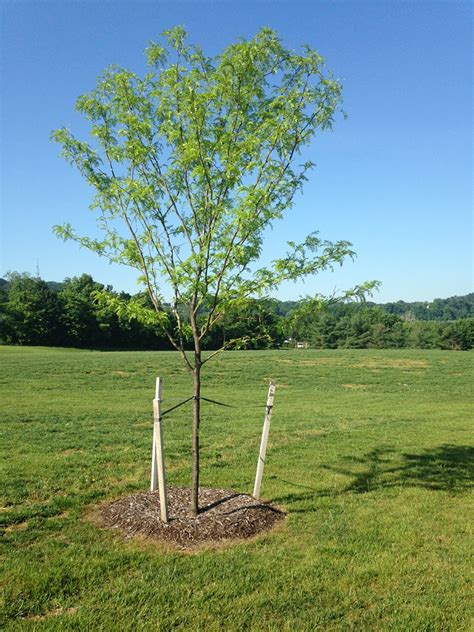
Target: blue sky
[{"x": 394, "y": 178}]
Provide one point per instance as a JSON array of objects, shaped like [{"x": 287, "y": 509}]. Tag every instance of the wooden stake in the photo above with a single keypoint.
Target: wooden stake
[
  {"x": 264, "y": 441},
  {"x": 158, "y": 474}
]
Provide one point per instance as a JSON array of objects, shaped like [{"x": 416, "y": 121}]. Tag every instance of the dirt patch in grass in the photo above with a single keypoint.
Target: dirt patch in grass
[
  {"x": 62, "y": 516},
  {"x": 382, "y": 363},
  {"x": 355, "y": 386},
  {"x": 387, "y": 363},
  {"x": 17, "y": 526},
  {"x": 224, "y": 515},
  {"x": 315, "y": 362},
  {"x": 51, "y": 613}
]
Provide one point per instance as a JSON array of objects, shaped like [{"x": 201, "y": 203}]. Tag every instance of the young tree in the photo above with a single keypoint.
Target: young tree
[{"x": 191, "y": 163}]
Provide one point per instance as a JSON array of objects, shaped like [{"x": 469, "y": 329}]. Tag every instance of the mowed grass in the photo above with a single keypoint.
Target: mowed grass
[{"x": 370, "y": 454}]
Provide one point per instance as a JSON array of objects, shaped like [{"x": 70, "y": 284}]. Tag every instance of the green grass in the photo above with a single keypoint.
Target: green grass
[{"x": 369, "y": 454}]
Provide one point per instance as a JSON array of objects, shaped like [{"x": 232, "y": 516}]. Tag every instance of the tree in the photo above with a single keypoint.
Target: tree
[
  {"x": 191, "y": 164},
  {"x": 32, "y": 310},
  {"x": 78, "y": 312}
]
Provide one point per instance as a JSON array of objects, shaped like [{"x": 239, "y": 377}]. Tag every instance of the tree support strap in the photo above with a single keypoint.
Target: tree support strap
[
  {"x": 185, "y": 401},
  {"x": 213, "y": 401}
]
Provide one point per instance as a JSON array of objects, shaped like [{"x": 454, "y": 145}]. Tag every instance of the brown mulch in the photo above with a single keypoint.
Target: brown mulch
[{"x": 223, "y": 515}]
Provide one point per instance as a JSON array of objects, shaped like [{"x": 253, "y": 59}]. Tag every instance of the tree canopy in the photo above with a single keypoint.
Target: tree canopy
[{"x": 194, "y": 161}]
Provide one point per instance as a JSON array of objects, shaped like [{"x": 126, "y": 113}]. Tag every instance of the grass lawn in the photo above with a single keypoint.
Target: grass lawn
[{"x": 370, "y": 454}]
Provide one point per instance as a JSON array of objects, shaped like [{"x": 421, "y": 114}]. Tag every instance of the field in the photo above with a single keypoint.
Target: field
[{"x": 369, "y": 455}]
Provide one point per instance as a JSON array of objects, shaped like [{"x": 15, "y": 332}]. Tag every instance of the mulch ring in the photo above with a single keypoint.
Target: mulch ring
[{"x": 223, "y": 515}]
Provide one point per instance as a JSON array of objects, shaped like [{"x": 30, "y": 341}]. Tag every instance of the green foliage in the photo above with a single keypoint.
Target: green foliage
[
  {"x": 370, "y": 453},
  {"x": 326, "y": 325},
  {"x": 192, "y": 163},
  {"x": 437, "y": 335},
  {"x": 30, "y": 315},
  {"x": 79, "y": 314},
  {"x": 253, "y": 324},
  {"x": 130, "y": 308}
]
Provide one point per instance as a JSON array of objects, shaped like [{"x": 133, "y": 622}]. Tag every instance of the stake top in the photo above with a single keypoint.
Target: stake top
[{"x": 158, "y": 389}]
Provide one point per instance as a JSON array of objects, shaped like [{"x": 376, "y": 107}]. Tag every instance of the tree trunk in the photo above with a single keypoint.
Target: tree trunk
[{"x": 196, "y": 422}]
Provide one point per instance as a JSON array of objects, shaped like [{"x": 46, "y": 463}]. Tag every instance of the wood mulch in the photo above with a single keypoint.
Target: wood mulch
[{"x": 223, "y": 515}]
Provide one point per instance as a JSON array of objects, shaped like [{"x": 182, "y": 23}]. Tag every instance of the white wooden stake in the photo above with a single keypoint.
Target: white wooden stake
[
  {"x": 158, "y": 474},
  {"x": 263, "y": 443}
]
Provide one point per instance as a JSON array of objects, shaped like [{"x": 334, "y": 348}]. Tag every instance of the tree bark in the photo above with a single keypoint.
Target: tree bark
[{"x": 195, "y": 439}]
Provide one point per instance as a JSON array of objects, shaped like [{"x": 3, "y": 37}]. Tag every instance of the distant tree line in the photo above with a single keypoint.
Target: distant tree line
[
  {"x": 441, "y": 309},
  {"x": 361, "y": 326},
  {"x": 36, "y": 312}
]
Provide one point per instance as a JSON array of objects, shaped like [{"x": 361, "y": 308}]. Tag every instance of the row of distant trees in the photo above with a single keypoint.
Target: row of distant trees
[
  {"x": 35, "y": 312},
  {"x": 371, "y": 326}
]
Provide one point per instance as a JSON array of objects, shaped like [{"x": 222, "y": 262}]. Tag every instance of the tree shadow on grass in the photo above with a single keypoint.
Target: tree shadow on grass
[{"x": 445, "y": 468}]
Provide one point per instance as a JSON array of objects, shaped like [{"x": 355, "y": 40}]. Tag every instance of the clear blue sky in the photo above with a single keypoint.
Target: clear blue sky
[{"x": 394, "y": 178}]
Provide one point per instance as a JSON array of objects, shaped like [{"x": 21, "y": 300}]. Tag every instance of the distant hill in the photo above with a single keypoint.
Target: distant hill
[
  {"x": 440, "y": 309},
  {"x": 55, "y": 286},
  {"x": 452, "y": 308}
]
